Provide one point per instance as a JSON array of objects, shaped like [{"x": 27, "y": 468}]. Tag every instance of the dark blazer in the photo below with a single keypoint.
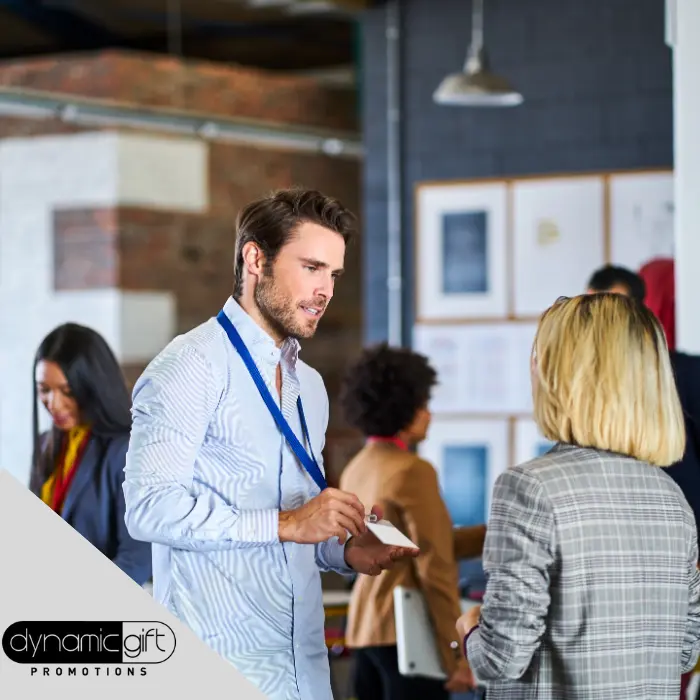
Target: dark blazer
[
  {"x": 95, "y": 506},
  {"x": 686, "y": 473}
]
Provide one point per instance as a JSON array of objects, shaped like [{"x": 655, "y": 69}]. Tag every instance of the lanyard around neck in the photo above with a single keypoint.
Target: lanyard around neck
[{"x": 309, "y": 463}]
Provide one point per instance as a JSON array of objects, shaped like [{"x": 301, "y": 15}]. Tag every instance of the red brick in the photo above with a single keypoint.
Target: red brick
[
  {"x": 85, "y": 254},
  {"x": 207, "y": 88}
]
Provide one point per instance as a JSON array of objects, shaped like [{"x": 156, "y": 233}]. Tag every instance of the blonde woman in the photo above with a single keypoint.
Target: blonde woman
[{"x": 591, "y": 550}]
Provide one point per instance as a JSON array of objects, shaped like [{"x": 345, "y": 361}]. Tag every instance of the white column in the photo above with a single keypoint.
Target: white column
[
  {"x": 686, "y": 106},
  {"x": 39, "y": 175}
]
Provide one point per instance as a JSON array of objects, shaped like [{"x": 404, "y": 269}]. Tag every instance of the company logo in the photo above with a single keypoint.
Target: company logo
[{"x": 88, "y": 642}]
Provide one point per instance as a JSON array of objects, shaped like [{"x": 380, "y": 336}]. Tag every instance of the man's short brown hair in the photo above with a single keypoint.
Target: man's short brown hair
[{"x": 271, "y": 221}]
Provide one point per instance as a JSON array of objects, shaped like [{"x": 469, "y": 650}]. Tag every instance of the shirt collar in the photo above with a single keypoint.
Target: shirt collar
[{"x": 256, "y": 339}]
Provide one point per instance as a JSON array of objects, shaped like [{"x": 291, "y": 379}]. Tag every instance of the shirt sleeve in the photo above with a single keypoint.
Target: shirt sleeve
[
  {"x": 330, "y": 556},
  {"x": 518, "y": 556},
  {"x": 173, "y": 403}
]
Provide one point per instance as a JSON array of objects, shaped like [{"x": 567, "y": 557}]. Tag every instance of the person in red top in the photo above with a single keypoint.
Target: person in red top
[
  {"x": 658, "y": 276},
  {"x": 655, "y": 287}
]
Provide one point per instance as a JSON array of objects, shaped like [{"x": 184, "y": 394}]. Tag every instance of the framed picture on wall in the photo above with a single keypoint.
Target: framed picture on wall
[
  {"x": 642, "y": 211},
  {"x": 529, "y": 441},
  {"x": 482, "y": 368},
  {"x": 559, "y": 238},
  {"x": 468, "y": 456},
  {"x": 461, "y": 249}
]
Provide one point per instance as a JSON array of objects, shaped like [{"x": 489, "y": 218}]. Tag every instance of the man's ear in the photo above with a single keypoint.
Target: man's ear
[{"x": 253, "y": 259}]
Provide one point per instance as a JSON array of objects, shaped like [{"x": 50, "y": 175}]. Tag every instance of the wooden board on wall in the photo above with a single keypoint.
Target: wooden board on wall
[{"x": 555, "y": 231}]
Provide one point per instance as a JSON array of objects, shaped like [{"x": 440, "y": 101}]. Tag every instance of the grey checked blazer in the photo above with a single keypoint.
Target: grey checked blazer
[{"x": 593, "y": 590}]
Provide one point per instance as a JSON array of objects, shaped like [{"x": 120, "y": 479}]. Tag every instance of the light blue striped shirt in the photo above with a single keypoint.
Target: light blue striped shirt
[{"x": 207, "y": 473}]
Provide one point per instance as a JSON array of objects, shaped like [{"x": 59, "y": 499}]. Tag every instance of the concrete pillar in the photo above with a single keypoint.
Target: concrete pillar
[{"x": 61, "y": 259}]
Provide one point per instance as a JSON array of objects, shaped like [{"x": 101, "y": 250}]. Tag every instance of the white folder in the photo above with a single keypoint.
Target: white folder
[{"x": 415, "y": 636}]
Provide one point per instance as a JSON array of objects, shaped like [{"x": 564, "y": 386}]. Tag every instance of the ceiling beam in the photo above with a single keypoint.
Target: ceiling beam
[
  {"x": 61, "y": 24},
  {"x": 308, "y": 7},
  {"x": 356, "y": 5}
]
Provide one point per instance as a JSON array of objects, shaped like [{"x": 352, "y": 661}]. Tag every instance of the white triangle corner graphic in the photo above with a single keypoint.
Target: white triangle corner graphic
[{"x": 51, "y": 574}]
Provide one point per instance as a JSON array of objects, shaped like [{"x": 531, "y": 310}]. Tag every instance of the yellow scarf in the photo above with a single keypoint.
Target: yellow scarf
[{"x": 75, "y": 438}]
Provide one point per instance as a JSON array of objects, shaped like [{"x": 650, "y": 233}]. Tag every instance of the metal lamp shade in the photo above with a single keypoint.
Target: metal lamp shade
[{"x": 477, "y": 86}]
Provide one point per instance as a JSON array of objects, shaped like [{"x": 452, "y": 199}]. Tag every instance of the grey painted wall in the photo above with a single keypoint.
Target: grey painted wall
[{"x": 597, "y": 80}]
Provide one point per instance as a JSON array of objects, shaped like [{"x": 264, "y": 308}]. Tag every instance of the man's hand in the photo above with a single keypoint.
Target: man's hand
[
  {"x": 469, "y": 620},
  {"x": 366, "y": 554},
  {"x": 333, "y": 513},
  {"x": 461, "y": 681}
]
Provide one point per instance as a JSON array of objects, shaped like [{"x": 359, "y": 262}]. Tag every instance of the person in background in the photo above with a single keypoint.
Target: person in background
[
  {"x": 658, "y": 276},
  {"x": 78, "y": 465},
  {"x": 655, "y": 287},
  {"x": 613, "y": 278},
  {"x": 385, "y": 395},
  {"x": 591, "y": 551}
]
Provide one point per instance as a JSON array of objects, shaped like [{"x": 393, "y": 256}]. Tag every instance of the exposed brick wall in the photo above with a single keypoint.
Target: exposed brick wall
[
  {"x": 191, "y": 255},
  {"x": 143, "y": 249},
  {"x": 208, "y": 88},
  {"x": 85, "y": 247},
  {"x": 12, "y": 127}
]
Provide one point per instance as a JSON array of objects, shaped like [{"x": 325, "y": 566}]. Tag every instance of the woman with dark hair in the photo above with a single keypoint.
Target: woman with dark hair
[
  {"x": 385, "y": 395},
  {"x": 78, "y": 465}
]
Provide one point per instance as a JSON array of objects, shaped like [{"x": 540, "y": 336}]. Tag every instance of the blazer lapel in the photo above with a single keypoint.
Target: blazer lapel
[{"x": 84, "y": 471}]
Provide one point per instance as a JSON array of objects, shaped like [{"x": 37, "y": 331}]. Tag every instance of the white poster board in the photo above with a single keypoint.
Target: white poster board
[
  {"x": 461, "y": 249},
  {"x": 468, "y": 456},
  {"x": 482, "y": 368},
  {"x": 642, "y": 214},
  {"x": 559, "y": 238}
]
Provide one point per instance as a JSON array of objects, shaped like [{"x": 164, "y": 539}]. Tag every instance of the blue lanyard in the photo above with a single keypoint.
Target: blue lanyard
[{"x": 309, "y": 463}]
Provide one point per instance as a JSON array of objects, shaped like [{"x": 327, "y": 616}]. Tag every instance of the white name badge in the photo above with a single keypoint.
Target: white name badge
[{"x": 387, "y": 533}]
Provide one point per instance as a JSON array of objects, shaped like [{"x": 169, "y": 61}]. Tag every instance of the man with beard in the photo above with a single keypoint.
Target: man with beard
[{"x": 223, "y": 472}]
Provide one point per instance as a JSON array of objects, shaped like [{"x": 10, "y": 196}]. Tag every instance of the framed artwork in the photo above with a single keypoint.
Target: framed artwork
[
  {"x": 559, "y": 238},
  {"x": 468, "y": 456},
  {"x": 482, "y": 368},
  {"x": 529, "y": 442},
  {"x": 461, "y": 248},
  {"x": 642, "y": 212}
]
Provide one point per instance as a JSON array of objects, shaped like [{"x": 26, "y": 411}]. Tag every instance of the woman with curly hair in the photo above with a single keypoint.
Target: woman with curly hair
[{"x": 385, "y": 395}]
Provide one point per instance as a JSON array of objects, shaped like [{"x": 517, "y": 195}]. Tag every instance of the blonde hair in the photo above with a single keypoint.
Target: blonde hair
[{"x": 602, "y": 378}]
